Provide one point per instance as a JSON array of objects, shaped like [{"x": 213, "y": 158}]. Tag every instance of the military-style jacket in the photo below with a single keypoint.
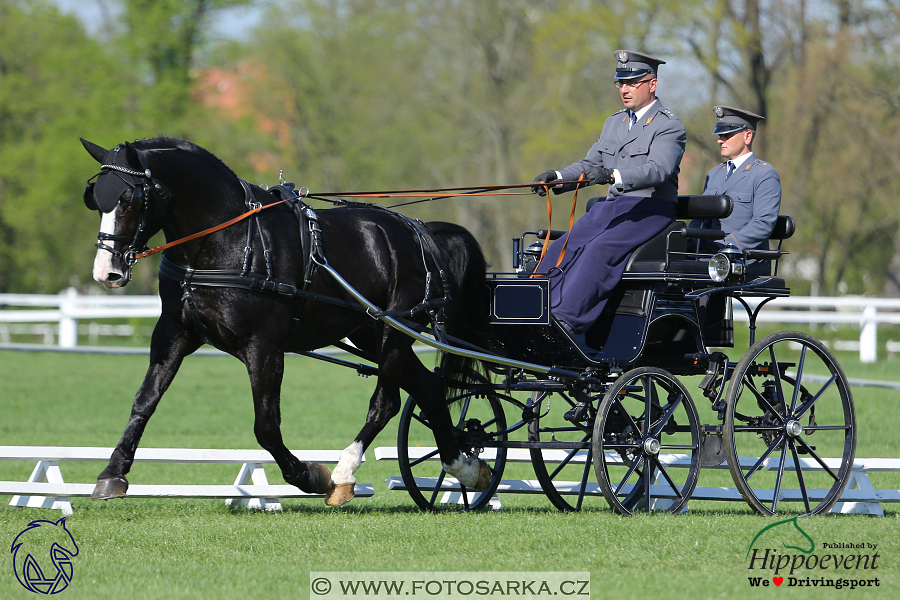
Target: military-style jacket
[
  {"x": 647, "y": 157},
  {"x": 755, "y": 189}
]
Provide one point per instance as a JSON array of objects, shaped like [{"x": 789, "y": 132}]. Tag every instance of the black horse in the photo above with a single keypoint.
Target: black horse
[{"x": 393, "y": 262}]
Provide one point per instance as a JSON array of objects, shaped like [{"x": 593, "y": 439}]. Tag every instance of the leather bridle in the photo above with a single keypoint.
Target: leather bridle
[{"x": 140, "y": 195}]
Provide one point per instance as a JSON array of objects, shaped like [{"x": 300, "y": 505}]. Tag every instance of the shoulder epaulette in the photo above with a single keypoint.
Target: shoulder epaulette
[{"x": 761, "y": 163}]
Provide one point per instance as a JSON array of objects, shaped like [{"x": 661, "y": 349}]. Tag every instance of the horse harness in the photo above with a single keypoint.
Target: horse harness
[{"x": 311, "y": 244}]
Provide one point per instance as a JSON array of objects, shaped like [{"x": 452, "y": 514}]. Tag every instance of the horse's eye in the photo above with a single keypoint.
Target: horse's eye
[{"x": 137, "y": 198}]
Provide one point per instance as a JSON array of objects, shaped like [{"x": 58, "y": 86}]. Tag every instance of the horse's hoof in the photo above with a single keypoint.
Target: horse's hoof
[
  {"x": 107, "y": 489},
  {"x": 320, "y": 478},
  {"x": 484, "y": 476},
  {"x": 342, "y": 493}
]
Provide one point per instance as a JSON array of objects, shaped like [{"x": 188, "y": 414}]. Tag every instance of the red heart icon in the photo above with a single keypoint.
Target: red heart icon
[{"x": 778, "y": 580}]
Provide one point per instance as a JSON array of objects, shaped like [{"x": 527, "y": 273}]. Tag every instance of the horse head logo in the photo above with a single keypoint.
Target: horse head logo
[
  {"x": 36, "y": 571},
  {"x": 789, "y": 535}
]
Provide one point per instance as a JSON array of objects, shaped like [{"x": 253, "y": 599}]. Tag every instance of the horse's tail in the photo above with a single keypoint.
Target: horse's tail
[{"x": 467, "y": 315}]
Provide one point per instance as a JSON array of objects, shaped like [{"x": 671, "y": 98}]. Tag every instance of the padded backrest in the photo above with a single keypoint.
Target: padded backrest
[
  {"x": 655, "y": 250},
  {"x": 784, "y": 228},
  {"x": 703, "y": 207}
]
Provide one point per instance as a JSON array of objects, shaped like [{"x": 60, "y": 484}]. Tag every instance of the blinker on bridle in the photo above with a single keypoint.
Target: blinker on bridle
[{"x": 139, "y": 196}]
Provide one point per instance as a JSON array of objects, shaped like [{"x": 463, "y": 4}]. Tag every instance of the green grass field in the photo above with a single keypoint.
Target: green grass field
[{"x": 142, "y": 548}]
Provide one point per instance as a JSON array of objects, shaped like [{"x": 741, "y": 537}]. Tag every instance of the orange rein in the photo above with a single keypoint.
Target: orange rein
[
  {"x": 194, "y": 236},
  {"x": 562, "y": 254},
  {"x": 482, "y": 191}
]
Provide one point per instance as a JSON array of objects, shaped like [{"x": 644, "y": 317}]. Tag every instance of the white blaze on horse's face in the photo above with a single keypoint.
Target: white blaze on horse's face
[{"x": 105, "y": 271}]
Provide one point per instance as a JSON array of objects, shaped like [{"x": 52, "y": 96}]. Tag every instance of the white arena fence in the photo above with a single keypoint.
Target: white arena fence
[
  {"x": 45, "y": 488},
  {"x": 56, "y": 317},
  {"x": 859, "y": 497}
]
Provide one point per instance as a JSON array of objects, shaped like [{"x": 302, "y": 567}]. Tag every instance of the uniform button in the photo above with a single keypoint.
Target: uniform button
[{"x": 623, "y": 155}]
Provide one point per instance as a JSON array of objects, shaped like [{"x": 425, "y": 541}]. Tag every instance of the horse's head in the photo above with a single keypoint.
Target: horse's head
[{"x": 131, "y": 203}]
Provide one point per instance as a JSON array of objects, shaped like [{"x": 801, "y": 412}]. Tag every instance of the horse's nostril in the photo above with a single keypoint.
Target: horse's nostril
[{"x": 113, "y": 277}]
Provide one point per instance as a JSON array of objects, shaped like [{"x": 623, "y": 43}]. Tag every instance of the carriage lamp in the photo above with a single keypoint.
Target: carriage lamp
[
  {"x": 719, "y": 268},
  {"x": 729, "y": 261}
]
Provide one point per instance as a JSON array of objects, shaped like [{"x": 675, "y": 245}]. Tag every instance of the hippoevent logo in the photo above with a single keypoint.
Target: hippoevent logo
[
  {"x": 829, "y": 564},
  {"x": 42, "y": 556}
]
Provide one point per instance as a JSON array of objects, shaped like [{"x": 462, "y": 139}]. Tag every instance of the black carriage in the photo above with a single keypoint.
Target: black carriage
[
  {"x": 607, "y": 409},
  {"x": 604, "y": 415}
]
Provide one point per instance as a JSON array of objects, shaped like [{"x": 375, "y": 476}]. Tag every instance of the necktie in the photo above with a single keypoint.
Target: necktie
[
  {"x": 632, "y": 121},
  {"x": 729, "y": 169}
]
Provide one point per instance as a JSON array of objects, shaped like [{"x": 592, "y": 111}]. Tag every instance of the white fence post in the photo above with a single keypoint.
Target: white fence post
[
  {"x": 68, "y": 325},
  {"x": 868, "y": 334}
]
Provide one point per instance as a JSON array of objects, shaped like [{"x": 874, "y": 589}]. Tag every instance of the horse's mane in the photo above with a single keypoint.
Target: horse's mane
[{"x": 162, "y": 143}]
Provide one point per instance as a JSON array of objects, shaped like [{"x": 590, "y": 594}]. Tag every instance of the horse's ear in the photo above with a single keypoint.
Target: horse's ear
[
  {"x": 94, "y": 150},
  {"x": 134, "y": 156}
]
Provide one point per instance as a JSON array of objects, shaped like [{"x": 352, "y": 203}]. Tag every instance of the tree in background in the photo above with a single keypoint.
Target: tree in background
[
  {"x": 377, "y": 94},
  {"x": 56, "y": 84}
]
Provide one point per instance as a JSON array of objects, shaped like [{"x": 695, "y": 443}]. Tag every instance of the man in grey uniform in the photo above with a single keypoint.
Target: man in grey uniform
[
  {"x": 638, "y": 154},
  {"x": 752, "y": 184}
]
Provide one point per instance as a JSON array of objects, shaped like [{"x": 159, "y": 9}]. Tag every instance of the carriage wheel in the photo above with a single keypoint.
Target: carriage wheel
[
  {"x": 564, "y": 473},
  {"x": 647, "y": 443},
  {"x": 479, "y": 419},
  {"x": 790, "y": 431}
]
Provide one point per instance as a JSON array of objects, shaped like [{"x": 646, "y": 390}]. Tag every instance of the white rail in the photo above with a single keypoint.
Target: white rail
[{"x": 67, "y": 307}]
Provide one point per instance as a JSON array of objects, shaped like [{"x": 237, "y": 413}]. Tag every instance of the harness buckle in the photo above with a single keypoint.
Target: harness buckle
[{"x": 130, "y": 257}]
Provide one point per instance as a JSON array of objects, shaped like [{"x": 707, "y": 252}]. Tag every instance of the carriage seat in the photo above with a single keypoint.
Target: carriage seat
[{"x": 651, "y": 257}]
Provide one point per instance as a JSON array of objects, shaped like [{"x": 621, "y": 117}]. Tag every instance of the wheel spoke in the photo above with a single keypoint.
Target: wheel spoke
[
  {"x": 584, "y": 478},
  {"x": 757, "y": 428},
  {"x": 798, "y": 378},
  {"x": 668, "y": 415},
  {"x": 569, "y": 457},
  {"x": 627, "y": 414},
  {"x": 799, "y": 470},
  {"x": 437, "y": 487},
  {"x": 462, "y": 413},
  {"x": 779, "y": 387},
  {"x": 665, "y": 473},
  {"x": 418, "y": 417},
  {"x": 628, "y": 475},
  {"x": 649, "y": 398},
  {"x": 760, "y": 398},
  {"x": 679, "y": 447},
  {"x": 780, "y": 474},
  {"x": 465, "y": 496},
  {"x": 648, "y": 469},
  {"x": 805, "y": 408},
  {"x": 763, "y": 458},
  {"x": 817, "y": 458},
  {"x": 424, "y": 458}
]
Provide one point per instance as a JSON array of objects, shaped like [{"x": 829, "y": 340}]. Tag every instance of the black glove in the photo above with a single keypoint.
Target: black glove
[
  {"x": 546, "y": 177},
  {"x": 599, "y": 175}
]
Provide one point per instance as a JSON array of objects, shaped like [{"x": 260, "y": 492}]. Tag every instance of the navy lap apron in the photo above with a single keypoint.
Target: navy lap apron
[{"x": 599, "y": 246}]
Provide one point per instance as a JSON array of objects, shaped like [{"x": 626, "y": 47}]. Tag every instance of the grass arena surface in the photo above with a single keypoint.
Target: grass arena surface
[{"x": 192, "y": 548}]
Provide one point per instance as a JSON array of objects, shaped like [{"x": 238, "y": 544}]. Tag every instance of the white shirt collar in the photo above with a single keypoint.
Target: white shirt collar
[
  {"x": 741, "y": 159},
  {"x": 640, "y": 114}
]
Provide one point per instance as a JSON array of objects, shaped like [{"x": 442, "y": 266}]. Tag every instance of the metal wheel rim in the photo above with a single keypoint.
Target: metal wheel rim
[
  {"x": 626, "y": 494},
  {"x": 787, "y": 446},
  {"x": 472, "y": 500}
]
